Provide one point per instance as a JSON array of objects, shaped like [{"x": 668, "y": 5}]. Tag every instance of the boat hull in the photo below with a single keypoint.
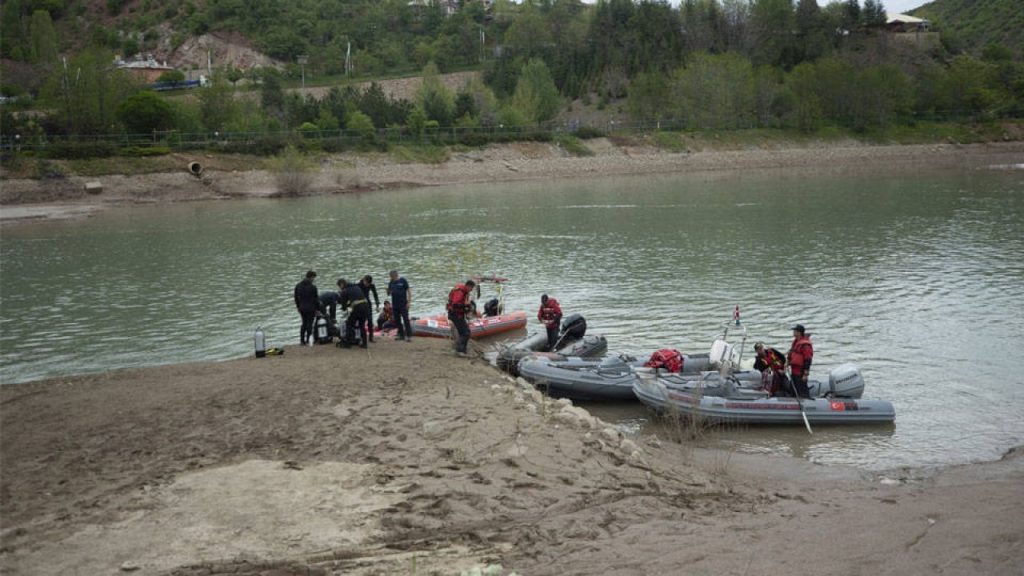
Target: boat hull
[
  {"x": 578, "y": 378},
  {"x": 761, "y": 409},
  {"x": 439, "y": 327},
  {"x": 590, "y": 346}
]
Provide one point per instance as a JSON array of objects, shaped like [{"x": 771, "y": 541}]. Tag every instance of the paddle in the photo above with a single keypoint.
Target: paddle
[{"x": 800, "y": 404}]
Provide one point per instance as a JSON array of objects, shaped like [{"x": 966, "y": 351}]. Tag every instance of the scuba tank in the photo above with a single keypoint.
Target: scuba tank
[
  {"x": 260, "y": 339},
  {"x": 320, "y": 329}
]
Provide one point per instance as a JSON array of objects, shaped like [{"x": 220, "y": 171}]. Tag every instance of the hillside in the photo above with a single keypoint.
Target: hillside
[{"x": 978, "y": 23}]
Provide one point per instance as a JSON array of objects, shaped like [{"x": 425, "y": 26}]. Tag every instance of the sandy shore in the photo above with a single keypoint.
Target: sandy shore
[
  {"x": 407, "y": 460},
  {"x": 26, "y": 199}
]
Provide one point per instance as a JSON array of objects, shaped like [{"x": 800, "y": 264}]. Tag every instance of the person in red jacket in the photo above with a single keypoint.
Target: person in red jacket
[
  {"x": 801, "y": 352},
  {"x": 459, "y": 303},
  {"x": 550, "y": 313}
]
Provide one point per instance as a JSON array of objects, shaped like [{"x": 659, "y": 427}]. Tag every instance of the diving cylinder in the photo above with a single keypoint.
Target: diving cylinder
[
  {"x": 321, "y": 330},
  {"x": 260, "y": 340}
]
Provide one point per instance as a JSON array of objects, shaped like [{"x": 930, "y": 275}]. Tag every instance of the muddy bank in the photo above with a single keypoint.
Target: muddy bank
[
  {"x": 404, "y": 459},
  {"x": 66, "y": 197}
]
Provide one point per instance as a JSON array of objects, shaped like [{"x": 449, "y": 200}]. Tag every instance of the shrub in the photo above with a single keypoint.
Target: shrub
[{"x": 293, "y": 172}]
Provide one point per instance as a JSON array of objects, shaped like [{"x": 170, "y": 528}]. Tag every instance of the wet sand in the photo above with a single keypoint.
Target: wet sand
[
  {"x": 25, "y": 199},
  {"x": 406, "y": 460}
]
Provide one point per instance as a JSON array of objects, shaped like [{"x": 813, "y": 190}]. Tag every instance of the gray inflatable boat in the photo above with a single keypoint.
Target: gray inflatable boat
[
  {"x": 572, "y": 341},
  {"x": 609, "y": 378},
  {"x": 837, "y": 401}
]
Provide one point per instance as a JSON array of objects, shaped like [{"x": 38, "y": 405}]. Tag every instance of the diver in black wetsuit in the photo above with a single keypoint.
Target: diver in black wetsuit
[{"x": 354, "y": 300}]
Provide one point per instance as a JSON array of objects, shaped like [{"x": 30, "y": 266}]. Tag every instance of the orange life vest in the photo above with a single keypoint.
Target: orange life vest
[
  {"x": 458, "y": 299},
  {"x": 666, "y": 358}
]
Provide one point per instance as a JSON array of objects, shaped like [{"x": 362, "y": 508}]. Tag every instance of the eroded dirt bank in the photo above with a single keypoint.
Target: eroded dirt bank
[{"x": 22, "y": 199}]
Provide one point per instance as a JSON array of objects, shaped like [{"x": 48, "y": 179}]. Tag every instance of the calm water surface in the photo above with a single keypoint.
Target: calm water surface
[{"x": 917, "y": 277}]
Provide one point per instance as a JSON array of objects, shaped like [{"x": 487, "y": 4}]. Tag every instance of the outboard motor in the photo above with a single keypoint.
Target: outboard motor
[
  {"x": 723, "y": 353},
  {"x": 845, "y": 381},
  {"x": 491, "y": 307},
  {"x": 323, "y": 335},
  {"x": 574, "y": 327}
]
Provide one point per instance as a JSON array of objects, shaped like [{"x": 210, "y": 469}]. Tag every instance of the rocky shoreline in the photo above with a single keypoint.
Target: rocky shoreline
[
  {"x": 327, "y": 461},
  {"x": 28, "y": 199}
]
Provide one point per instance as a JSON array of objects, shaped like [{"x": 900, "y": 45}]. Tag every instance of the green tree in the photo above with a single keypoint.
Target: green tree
[
  {"x": 360, "y": 124},
  {"x": 217, "y": 105},
  {"x": 271, "y": 92},
  {"x": 968, "y": 86},
  {"x": 43, "y": 38},
  {"x": 812, "y": 30},
  {"x": 536, "y": 95},
  {"x": 233, "y": 75},
  {"x": 772, "y": 23},
  {"x": 851, "y": 15},
  {"x": 801, "y": 84},
  {"x": 435, "y": 98},
  {"x": 327, "y": 121},
  {"x": 145, "y": 112},
  {"x": 13, "y": 34},
  {"x": 171, "y": 76},
  {"x": 715, "y": 91},
  {"x": 873, "y": 14},
  {"x": 649, "y": 96},
  {"x": 884, "y": 94},
  {"x": 416, "y": 122},
  {"x": 485, "y": 103},
  {"x": 87, "y": 92}
]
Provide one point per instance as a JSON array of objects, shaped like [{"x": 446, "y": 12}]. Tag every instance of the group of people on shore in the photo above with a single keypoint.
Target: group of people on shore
[
  {"x": 772, "y": 364},
  {"x": 313, "y": 304}
]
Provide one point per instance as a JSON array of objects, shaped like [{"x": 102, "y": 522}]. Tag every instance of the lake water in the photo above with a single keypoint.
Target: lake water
[{"x": 916, "y": 276}]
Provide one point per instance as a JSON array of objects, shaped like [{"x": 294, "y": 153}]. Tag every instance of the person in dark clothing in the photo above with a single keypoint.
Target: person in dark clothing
[
  {"x": 459, "y": 303},
  {"x": 366, "y": 284},
  {"x": 308, "y": 304},
  {"x": 329, "y": 304},
  {"x": 354, "y": 300},
  {"x": 401, "y": 299}
]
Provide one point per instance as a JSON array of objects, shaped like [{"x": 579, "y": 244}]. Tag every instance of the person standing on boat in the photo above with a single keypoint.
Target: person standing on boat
[
  {"x": 459, "y": 303},
  {"x": 353, "y": 299},
  {"x": 307, "y": 303},
  {"x": 366, "y": 284},
  {"x": 772, "y": 366},
  {"x": 550, "y": 313},
  {"x": 401, "y": 299},
  {"x": 801, "y": 352}
]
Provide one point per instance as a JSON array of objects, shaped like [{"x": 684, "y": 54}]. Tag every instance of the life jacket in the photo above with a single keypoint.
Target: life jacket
[
  {"x": 800, "y": 354},
  {"x": 458, "y": 299},
  {"x": 773, "y": 359},
  {"x": 550, "y": 312},
  {"x": 666, "y": 358}
]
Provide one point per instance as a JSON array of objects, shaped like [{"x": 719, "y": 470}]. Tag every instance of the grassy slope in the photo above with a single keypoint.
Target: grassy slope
[{"x": 979, "y": 22}]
